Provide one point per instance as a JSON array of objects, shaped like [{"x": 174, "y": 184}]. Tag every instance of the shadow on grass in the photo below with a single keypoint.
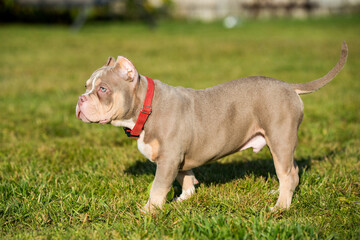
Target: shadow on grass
[{"x": 219, "y": 173}]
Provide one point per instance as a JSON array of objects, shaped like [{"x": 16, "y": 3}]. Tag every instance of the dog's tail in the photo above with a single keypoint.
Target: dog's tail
[{"x": 309, "y": 87}]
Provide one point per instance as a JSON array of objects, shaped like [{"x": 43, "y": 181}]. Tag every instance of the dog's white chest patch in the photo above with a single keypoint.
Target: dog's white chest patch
[
  {"x": 257, "y": 143},
  {"x": 145, "y": 149},
  {"x": 129, "y": 123}
]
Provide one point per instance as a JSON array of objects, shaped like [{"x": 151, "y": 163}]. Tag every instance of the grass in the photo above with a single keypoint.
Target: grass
[{"x": 61, "y": 178}]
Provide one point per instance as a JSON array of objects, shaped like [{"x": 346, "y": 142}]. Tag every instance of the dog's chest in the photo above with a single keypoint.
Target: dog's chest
[{"x": 150, "y": 150}]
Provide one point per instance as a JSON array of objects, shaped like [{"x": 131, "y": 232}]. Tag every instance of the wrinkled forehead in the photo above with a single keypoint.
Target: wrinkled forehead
[
  {"x": 95, "y": 79},
  {"x": 95, "y": 76}
]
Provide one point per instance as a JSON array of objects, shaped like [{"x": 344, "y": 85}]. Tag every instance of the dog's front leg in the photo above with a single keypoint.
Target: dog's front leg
[{"x": 166, "y": 172}]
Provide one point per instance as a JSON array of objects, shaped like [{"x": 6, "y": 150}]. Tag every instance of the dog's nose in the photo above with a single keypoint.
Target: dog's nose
[{"x": 82, "y": 99}]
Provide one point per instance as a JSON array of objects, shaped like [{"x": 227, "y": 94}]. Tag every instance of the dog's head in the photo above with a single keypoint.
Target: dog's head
[{"x": 109, "y": 92}]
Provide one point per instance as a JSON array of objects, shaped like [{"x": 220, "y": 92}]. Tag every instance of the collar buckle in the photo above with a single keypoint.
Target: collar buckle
[{"x": 146, "y": 109}]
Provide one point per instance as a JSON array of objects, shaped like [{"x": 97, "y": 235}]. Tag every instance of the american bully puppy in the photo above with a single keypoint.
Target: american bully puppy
[{"x": 180, "y": 129}]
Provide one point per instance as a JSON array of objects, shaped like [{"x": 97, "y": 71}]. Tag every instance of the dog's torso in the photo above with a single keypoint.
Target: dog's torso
[{"x": 208, "y": 124}]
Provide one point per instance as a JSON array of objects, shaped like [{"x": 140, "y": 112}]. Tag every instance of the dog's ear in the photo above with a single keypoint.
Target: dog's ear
[
  {"x": 126, "y": 69},
  {"x": 110, "y": 62}
]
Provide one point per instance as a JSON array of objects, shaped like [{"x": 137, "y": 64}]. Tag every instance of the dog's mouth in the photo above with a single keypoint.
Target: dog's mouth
[{"x": 81, "y": 116}]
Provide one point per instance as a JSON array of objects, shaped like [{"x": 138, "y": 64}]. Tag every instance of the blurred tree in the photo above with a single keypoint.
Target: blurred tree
[{"x": 79, "y": 11}]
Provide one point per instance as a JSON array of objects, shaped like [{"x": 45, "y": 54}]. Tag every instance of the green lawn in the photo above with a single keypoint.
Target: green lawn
[{"x": 62, "y": 178}]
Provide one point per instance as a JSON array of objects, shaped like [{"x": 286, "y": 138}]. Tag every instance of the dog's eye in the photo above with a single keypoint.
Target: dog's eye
[{"x": 102, "y": 89}]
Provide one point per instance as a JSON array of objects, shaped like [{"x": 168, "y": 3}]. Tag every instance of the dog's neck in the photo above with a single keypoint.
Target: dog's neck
[{"x": 130, "y": 118}]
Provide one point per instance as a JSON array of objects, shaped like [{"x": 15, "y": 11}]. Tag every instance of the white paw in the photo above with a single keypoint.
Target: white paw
[{"x": 185, "y": 194}]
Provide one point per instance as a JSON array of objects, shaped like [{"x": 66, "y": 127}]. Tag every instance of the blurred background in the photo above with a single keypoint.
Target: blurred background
[
  {"x": 60, "y": 176},
  {"x": 78, "y": 12}
]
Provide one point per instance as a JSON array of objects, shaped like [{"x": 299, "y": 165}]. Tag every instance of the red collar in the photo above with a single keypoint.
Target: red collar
[{"x": 144, "y": 113}]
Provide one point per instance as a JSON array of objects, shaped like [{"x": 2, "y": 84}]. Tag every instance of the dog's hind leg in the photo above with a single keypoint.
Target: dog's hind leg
[
  {"x": 282, "y": 143},
  {"x": 187, "y": 181}
]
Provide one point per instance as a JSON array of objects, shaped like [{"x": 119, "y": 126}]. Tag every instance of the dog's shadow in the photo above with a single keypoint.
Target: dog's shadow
[{"x": 220, "y": 172}]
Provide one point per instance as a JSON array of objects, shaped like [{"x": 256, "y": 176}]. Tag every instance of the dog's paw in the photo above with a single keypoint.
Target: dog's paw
[
  {"x": 145, "y": 209},
  {"x": 280, "y": 207},
  {"x": 185, "y": 194},
  {"x": 277, "y": 209},
  {"x": 150, "y": 209}
]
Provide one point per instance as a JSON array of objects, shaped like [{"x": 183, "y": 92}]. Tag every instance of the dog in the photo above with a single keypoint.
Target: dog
[{"x": 180, "y": 128}]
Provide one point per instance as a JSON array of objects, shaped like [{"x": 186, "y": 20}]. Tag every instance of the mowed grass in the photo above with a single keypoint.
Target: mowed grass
[{"x": 62, "y": 178}]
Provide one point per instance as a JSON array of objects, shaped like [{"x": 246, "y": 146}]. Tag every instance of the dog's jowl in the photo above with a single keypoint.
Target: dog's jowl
[{"x": 180, "y": 129}]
